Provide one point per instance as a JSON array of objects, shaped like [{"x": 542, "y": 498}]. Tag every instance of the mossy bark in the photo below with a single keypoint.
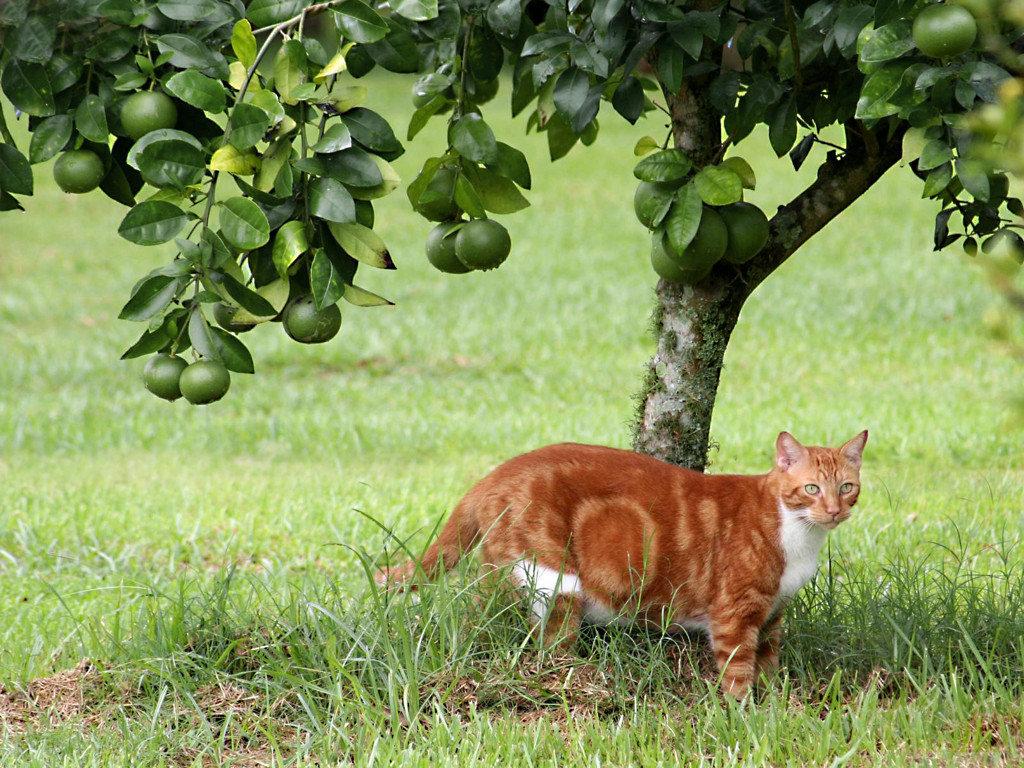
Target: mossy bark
[{"x": 693, "y": 323}]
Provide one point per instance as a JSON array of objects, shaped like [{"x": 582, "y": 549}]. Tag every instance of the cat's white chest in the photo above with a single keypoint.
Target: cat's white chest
[{"x": 801, "y": 543}]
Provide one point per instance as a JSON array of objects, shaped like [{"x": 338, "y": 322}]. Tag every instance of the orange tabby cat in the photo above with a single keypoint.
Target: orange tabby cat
[{"x": 609, "y": 535}]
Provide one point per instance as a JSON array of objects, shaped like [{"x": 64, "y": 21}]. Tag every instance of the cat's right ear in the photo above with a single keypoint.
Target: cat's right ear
[{"x": 788, "y": 451}]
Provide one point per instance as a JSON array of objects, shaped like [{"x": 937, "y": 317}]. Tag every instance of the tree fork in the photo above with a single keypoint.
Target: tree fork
[{"x": 693, "y": 323}]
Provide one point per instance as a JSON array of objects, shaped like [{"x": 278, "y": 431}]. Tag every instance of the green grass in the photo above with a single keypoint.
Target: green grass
[{"x": 211, "y": 561}]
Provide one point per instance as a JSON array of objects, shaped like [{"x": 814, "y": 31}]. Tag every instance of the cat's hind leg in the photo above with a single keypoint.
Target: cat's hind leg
[{"x": 556, "y": 598}]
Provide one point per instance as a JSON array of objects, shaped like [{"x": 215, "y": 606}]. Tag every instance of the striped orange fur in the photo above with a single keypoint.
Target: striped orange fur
[{"x": 608, "y": 535}]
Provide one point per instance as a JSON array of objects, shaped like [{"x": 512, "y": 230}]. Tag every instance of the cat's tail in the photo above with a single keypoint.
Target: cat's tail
[{"x": 459, "y": 535}]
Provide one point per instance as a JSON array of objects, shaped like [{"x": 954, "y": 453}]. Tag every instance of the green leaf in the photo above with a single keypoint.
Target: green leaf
[
  {"x": 363, "y": 298},
  {"x": 152, "y": 222},
  {"x": 148, "y": 343},
  {"x": 187, "y": 52},
  {"x": 467, "y": 198},
  {"x": 416, "y": 10},
  {"x": 172, "y": 164},
  {"x": 290, "y": 242},
  {"x": 373, "y": 132},
  {"x": 330, "y": 200},
  {"x": 474, "y": 140},
  {"x": 571, "y": 91},
  {"x": 362, "y": 244},
  {"x": 189, "y": 10},
  {"x": 151, "y": 298},
  {"x": 243, "y": 225},
  {"x": 934, "y": 154},
  {"x": 275, "y": 293},
  {"x": 335, "y": 138},
  {"x": 888, "y": 42},
  {"x": 688, "y": 37},
  {"x": 645, "y": 145},
  {"x": 249, "y": 124},
  {"x": 325, "y": 282},
  {"x": 512, "y": 164},
  {"x": 264, "y": 13},
  {"x": 497, "y": 193},
  {"x": 666, "y": 165},
  {"x": 874, "y": 97},
  {"x": 233, "y": 352},
  {"x": 718, "y": 186},
  {"x": 243, "y": 42},
  {"x": 230, "y": 159},
  {"x": 938, "y": 179},
  {"x": 50, "y": 137},
  {"x": 249, "y": 300},
  {"x": 741, "y": 168},
  {"x": 28, "y": 86},
  {"x": 684, "y": 217},
  {"x": 505, "y": 17},
  {"x": 671, "y": 63},
  {"x": 850, "y": 21},
  {"x": 33, "y": 39},
  {"x": 561, "y": 137},
  {"x": 421, "y": 116},
  {"x": 197, "y": 89},
  {"x": 782, "y": 127},
  {"x": 484, "y": 56},
  {"x": 974, "y": 177},
  {"x": 628, "y": 99},
  {"x": 164, "y": 134},
  {"x": 290, "y": 70},
  {"x": 359, "y": 22},
  {"x": 353, "y": 167},
  {"x": 15, "y": 171}
]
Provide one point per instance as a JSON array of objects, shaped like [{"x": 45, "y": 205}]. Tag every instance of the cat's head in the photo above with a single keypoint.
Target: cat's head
[{"x": 820, "y": 484}]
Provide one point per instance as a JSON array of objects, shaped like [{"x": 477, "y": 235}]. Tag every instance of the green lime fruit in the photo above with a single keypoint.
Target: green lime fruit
[
  {"x": 441, "y": 249},
  {"x": 748, "y": 231},
  {"x": 147, "y": 111},
  {"x": 667, "y": 268},
  {"x": 941, "y": 31},
  {"x": 707, "y": 246},
  {"x": 648, "y": 199},
  {"x": 224, "y": 315},
  {"x": 482, "y": 244},
  {"x": 309, "y": 325},
  {"x": 427, "y": 87},
  {"x": 162, "y": 374},
  {"x": 205, "y": 381},
  {"x": 78, "y": 171},
  {"x": 437, "y": 202}
]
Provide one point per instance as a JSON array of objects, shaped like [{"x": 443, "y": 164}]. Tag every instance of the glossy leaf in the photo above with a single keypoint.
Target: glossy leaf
[
  {"x": 28, "y": 86},
  {"x": 666, "y": 165},
  {"x": 359, "y": 22},
  {"x": 335, "y": 138},
  {"x": 290, "y": 70},
  {"x": 497, "y": 193},
  {"x": 264, "y": 13},
  {"x": 684, "y": 217},
  {"x": 50, "y": 137},
  {"x": 330, "y": 200},
  {"x": 474, "y": 139},
  {"x": 152, "y": 222},
  {"x": 416, "y": 10},
  {"x": 150, "y": 298},
  {"x": 741, "y": 168},
  {"x": 197, "y": 89},
  {"x": 172, "y": 164},
  {"x": 325, "y": 282},
  {"x": 230, "y": 159},
  {"x": 249, "y": 124},
  {"x": 290, "y": 242},
  {"x": 91, "y": 119},
  {"x": 718, "y": 186},
  {"x": 362, "y": 244},
  {"x": 512, "y": 164},
  {"x": 243, "y": 42},
  {"x": 15, "y": 171},
  {"x": 373, "y": 132},
  {"x": 360, "y": 297},
  {"x": 243, "y": 225}
]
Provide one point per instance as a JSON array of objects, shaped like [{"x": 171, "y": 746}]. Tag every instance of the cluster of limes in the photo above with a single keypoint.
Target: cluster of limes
[
  {"x": 455, "y": 246},
  {"x": 733, "y": 233},
  {"x": 81, "y": 170},
  {"x": 171, "y": 377}
]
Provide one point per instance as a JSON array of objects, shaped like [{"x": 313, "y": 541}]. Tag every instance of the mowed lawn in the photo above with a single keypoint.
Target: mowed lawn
[{"x": 188, "y": 586}]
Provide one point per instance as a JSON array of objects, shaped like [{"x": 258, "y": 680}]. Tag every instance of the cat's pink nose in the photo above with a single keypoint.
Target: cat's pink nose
[{"x": 833, "y": 512}]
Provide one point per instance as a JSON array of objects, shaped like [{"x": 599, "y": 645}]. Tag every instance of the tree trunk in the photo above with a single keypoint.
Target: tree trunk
[{"x": 693, "y": 323}]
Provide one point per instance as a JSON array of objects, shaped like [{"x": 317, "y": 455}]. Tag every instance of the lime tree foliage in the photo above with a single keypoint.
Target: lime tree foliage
[{"x": 154, "y": 103}]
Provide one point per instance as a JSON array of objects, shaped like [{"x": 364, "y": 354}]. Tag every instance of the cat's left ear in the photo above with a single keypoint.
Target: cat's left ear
[
  {"x": 788, "y": 451},
  {"x": 854, "y": 449}
]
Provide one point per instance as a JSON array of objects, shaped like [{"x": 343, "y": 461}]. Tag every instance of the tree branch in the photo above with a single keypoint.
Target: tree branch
[{"x": 840, "y": 181}]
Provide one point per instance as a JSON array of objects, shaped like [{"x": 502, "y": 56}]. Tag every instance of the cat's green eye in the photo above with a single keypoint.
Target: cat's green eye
[
  {"x": 846, "y": 487},
  {"x": 811, "y": 489}
]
